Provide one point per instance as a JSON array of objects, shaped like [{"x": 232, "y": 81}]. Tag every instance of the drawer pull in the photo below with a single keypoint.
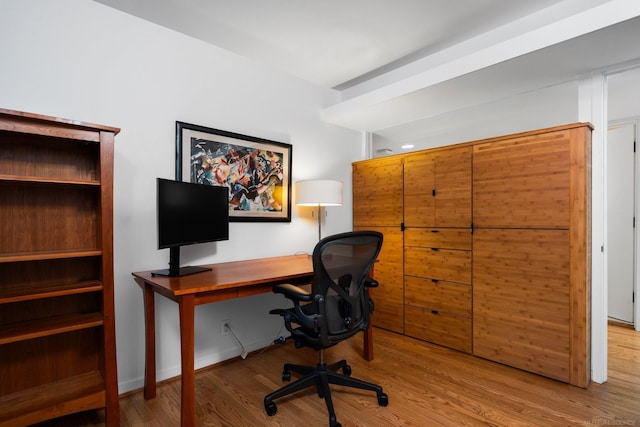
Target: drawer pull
[
  {"x": 434, "y": 311},
  {"x": 435, "y": 280},
  {"x": 435, "y": 231},
  {"x": 435, "y": 249}
]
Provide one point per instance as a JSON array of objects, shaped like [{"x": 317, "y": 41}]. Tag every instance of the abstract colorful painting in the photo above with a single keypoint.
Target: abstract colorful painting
[{"x": 256, "y": 170}]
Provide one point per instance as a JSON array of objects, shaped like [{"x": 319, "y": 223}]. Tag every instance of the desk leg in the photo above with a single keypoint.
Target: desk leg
[
  {"x": 368, "y": 334},
  {"x": 150, "y": 343},
  {"x": 368, "y": 343},
  {"x": 187, "y": 343}
]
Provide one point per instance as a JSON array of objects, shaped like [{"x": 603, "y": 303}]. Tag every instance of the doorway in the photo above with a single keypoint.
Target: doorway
[
  {"x": 622, "y": 183},
  {"x": 621, "y": 218}
]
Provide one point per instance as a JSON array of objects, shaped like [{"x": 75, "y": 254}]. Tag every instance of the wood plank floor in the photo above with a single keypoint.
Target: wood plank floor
[{"x": 427, "y": 386}]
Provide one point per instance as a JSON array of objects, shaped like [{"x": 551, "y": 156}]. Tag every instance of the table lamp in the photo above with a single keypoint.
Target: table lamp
[{"x": 318, "y": 192}]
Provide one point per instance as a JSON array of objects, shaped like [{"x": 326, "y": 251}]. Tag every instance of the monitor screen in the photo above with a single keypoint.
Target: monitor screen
[{"x": 191, "y": 213}]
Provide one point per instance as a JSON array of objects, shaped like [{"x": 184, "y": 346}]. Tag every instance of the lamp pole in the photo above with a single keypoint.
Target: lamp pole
[
  {"x": 319, "y": 193},
  {"x": 319, "y": 222}
]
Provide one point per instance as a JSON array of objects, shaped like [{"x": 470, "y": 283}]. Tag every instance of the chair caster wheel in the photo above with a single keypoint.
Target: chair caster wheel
[
  {"x": 286, "y": 376},
  {"x": 346, "y": 370},
  {"x": 383, "y": 399},
  {"x": 271, "y": 409}
]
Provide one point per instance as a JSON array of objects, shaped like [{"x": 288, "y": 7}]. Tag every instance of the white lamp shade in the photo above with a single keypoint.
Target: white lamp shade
[{"x": 314, "y": 192}]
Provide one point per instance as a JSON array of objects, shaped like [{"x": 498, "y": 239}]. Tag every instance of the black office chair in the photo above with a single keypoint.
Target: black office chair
[{"x": 337, "y": 308}]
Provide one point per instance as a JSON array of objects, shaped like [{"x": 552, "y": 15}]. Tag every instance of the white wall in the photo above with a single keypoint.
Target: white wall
[
  {"x": 545, "y": 107},
  {"x": 623, "y": 88},
  {"x": 81, "y": 60}
]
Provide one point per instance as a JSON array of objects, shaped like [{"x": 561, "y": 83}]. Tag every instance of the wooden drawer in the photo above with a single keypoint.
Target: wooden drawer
[
  {"x": 442, "y": 329},
  {"x": 444, "y": 297},
  {"x": 441, "y": 264},
  {"x": 445, "y": 238}
]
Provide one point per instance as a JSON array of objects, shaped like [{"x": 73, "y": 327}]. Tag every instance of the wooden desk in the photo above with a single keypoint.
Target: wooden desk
[{"x": 225, "y": 281}]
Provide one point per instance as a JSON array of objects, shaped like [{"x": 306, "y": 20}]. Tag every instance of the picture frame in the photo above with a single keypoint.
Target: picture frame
[{"x": 257, "y": 171}]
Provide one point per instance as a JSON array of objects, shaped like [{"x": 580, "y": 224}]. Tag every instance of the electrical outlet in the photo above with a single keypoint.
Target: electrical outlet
[{"x": 224, "y": 327}]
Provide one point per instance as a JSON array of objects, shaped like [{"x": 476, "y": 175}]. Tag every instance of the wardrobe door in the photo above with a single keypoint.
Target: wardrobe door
[
  {"x": 531, "y": 251},
  {"x": 521, "y": 313},
  {"x": 377, "y": 205}
]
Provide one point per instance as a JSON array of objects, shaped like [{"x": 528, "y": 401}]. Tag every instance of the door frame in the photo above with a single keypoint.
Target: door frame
[{"x": 593, "y": 108}]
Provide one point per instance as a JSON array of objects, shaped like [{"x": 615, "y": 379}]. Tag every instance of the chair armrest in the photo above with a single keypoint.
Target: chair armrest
[
  {"x": 370, "y": 283},
  {"x": 293, "y": 292}
]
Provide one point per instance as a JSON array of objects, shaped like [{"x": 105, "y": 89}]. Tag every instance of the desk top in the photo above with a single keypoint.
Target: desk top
[{"x": 234, "y": 274}]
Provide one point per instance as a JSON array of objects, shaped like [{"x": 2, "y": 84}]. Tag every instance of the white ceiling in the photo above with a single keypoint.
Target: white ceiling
[
  {"x": 389, "y": 57},
  {"x": 331, "y": 42}
]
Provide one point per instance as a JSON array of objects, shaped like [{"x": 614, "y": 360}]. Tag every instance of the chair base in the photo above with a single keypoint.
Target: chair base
[{"x": 321, "y": 376}]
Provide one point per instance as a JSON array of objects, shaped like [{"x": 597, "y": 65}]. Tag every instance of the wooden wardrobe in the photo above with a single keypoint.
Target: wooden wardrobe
[{"x": 496, "y": 247}]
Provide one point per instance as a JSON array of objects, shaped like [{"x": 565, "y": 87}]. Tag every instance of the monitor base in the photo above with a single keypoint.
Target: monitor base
[{"x": 182, "y": 271}]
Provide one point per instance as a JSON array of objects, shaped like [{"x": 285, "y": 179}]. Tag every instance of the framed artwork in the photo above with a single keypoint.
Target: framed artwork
[{"x": 257, "y": 171}]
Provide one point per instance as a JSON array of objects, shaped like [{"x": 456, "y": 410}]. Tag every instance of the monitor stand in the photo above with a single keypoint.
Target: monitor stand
[{"x": 174, "y": 270}]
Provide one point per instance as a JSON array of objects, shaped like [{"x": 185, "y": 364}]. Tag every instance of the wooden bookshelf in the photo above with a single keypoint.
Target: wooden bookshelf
[{"x": 57, "y": 331}]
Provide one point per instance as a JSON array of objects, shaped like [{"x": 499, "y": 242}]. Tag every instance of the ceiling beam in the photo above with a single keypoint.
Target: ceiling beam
[{"x": 551, "y": 26}]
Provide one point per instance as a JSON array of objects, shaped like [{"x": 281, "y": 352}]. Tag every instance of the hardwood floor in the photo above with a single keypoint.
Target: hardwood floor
[{"x": 427, "y": 385}]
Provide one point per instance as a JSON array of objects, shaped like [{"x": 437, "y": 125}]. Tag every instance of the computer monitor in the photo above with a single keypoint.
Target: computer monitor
[{"x": 189, "y": 213}]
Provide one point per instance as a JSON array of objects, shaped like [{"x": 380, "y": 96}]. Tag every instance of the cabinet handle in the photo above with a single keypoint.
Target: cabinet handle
[
  {"x": 435, "y": 249},
  {"x": 435, "y": 280},
  {"x": 434, "y": 311},
  {"x": 435, "y": 231}
]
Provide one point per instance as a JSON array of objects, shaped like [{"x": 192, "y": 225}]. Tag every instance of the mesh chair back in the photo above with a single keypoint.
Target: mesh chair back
[{"x": 341, "y": 264}]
